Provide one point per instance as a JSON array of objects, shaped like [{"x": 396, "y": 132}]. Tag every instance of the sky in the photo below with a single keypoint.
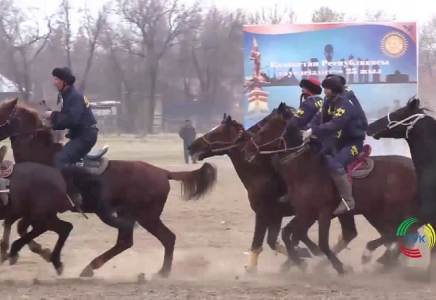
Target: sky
[{"x": 407, "y": 11}]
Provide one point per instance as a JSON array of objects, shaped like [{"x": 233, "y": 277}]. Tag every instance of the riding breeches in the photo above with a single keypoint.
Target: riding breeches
[
  {"x": 340, "y": 157},
  {"x": 76, "y": 149}
]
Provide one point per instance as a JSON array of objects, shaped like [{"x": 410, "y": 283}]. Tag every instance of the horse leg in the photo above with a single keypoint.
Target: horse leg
[
  {"x": 349, "y": 233},
  {"x": 324, "y": 221},
  {"x": 37, "y": 230},
  {"x": 166, "y": 237},
  {"x": 124, "y": 242},
  {"x": 4, "y": 244},
  {"x": 45, "y": 253},
  {"x": 63, "y": 230},
  {"x": 298, "y": 230},
  {"x": 260, "y": 227}
]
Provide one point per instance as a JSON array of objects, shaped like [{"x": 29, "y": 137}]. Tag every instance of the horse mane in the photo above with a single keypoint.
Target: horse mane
[
  {"x": 31, "y": 112},
  {"x": 422, "y": 109}
]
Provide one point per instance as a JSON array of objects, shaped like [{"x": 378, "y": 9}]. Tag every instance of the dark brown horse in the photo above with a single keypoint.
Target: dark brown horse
[
  {"x": 384, "y": 195},
  {"x": 37, "y": 194},
  {"x": 413, "y": 124},
  {"x": 263, "y": 184},
  {"x": 137, "y": 189}
]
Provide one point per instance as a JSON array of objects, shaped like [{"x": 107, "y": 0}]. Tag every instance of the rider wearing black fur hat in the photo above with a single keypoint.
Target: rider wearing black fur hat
[
  {"x": 76, "y": 116},
  {"x": 341, "y": 118}
]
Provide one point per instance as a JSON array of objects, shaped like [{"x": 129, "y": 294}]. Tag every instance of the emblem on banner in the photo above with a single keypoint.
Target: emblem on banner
[{"x": 394, "y": 44}]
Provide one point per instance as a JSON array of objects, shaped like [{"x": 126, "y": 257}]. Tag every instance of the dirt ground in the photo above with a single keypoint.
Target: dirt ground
[{"x": 213, "y": 238}]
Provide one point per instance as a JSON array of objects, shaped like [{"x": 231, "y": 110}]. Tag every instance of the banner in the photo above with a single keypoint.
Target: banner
[{"x": 378, "y": 60}]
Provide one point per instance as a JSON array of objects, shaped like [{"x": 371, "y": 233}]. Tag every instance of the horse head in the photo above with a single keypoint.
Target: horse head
[
  {"x": 270, "y": 136},
  {"x": 397, "y": 124},
  {"x": 219, "y": 140}
]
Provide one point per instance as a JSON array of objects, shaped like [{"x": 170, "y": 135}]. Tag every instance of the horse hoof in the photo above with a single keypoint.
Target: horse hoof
[
  {"x": 250, "y": 269},
  {"x": 286, "y": 266},
  {"x": 87, "y": 272},
  {"x": 46, "y": 254},
  {"x": 60, "y": 269},
  {"x": 305, "y": 253},
  {"x": 13, "y": 259},
  {"x": 162, "y": 274},
  {"x": 141, "y": 278},
  {"x": 348, "y": 269},
  {"x": 366, "y": 259},
  {"x": 303, "y": 266}
]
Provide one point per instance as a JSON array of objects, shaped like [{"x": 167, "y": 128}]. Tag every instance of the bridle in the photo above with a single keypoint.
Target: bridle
[
  {"x": 12, "y": 115},
  {"x": 409, "y": 122},
  {"x": 227, "y": 145}
]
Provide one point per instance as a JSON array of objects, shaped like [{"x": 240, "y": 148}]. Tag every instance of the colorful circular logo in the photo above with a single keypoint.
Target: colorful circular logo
[
  {"x": 429, "y": 232},
  {"x": 394, "y": 44}
]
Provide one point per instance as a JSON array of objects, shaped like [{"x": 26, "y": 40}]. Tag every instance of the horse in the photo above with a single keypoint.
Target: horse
[
  {"x": 37, "y": 194},
  {"x": 264, "y": 186},
  {"x": 411, "y": 123},
  {"x": 138, "y": 190},
  {"x": 379, "y": 184}
]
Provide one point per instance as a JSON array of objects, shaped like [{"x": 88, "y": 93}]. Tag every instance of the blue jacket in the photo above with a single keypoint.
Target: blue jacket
[
  {"x": 75, "y": 115},
  {"x": 341, "y": 118},
  {"x": 308, "y": 109},
  {"x": 348, "y": 93}
]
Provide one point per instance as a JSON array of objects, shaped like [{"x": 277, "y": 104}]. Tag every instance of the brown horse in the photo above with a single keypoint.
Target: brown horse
[
  {"x": 264, "y": 186},
  {"x": 137, "y": 189},
  {"x": 37, "y": 194},
  {"x": 390, "y": 184}
]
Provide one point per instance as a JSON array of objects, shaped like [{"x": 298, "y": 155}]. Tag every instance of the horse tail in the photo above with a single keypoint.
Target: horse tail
[
  {"x": 95, "y": 195},
  {"x": 196, "y": 184}
]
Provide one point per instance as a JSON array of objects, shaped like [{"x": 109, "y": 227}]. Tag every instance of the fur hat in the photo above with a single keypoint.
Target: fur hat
[
  {"x": 333, "y": 83},
  {"x": 343, "y": 81},
  {"x": 312, "y": 84},
  {"x": 65, "y": 75}
]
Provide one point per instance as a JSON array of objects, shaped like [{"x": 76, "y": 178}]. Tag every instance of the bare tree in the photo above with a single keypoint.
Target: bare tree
[
  {"x": 93, "y": 27},
  {"x": 277, "y": 14},
  {"x": 427, "y": 49},
  {"x": 325, "y": 14},
  {"x": 379, "y": 16},
  {"x": 22, "y": 42},
  {"x": 65, "y": 20},
  {"x": 157, "y": 26}
]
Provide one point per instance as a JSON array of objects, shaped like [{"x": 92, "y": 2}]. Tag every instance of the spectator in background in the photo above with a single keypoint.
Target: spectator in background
[{"x": 187, "y": 133}]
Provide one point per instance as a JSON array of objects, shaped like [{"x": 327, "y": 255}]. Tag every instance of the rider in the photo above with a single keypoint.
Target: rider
[
  {"x": 76, "y": 116},
  {"x": 348, "y": 93},
  {"x": 343, "y": 119},
  {"x": 310, "y": 104}
]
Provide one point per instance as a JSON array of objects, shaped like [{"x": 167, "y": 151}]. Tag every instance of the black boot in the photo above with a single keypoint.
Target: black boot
[{"x": 345, "y": 192}]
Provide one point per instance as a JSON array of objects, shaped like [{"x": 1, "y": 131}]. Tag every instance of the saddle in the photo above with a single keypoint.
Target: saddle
[
  {"x": 94, "y": 162},
  {"x": 361, "y": 167}
]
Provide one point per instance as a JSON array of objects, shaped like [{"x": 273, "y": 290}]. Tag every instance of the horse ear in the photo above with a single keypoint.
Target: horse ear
[
  {"x": 229, "y": 119},
  {"x": 224, "y": 116},
  {"x": 14, "y": 102},
  {"x": 415, "y": 103}
]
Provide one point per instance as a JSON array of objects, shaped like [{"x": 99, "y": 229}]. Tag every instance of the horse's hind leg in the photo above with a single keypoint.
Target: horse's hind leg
[
  {"x": 124, "y": 242},
  {"x": 324, "y": 221},
  {"x": 63, "y": 229},
  {"x": 45, "y": 253},
  {"x": 37, "y": 230},
  {"x": 166, "y": 237},
  {"x": 4, "y": 244}
]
